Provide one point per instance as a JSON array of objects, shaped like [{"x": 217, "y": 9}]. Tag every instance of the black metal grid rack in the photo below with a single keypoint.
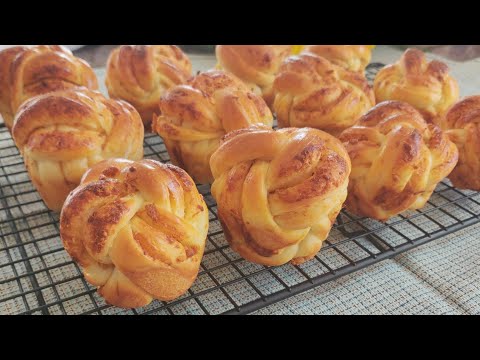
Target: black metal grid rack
[{"x": 38, "y": 277}]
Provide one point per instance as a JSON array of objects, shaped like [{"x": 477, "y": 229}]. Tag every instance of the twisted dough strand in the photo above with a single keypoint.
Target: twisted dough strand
[
  {"x": 427, "y": 86},
  {"x": 140, "y": 74},
  {"x": 311, "y": 91},
  {"x": 397, "y": 160},
  {"x": 26, "y": 72},
  {"x": 195, "y": 116},
  {"x": 61, "y": 134},
  {"x": 279, "y": 192},
  {"x": 256, "y": 65},
  {"x": 137, "y": 229}
]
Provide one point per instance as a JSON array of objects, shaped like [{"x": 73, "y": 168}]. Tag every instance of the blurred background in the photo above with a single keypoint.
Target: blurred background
[{"x": 97, "y": 55}]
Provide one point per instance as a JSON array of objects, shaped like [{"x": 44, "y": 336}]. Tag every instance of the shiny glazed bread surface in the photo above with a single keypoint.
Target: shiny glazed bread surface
[
  {"x": 397, "y": 160},
  {"x": 61, "y": 134},
  {"x": 256, "y": 65},
  {"x": 26, "y": 72},
  {"x": 427, "y": 86},
  {"x": 137, "y": 229},
  {"x": 310, "y": 91},
  {"x": 197, "y": 115},
  {"x": 351, "y": 57},
  {"x": 279, "y": 192}
]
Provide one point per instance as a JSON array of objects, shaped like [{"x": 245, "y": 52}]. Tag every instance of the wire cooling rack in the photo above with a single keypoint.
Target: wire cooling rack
[{"x": 38, "y": 277}]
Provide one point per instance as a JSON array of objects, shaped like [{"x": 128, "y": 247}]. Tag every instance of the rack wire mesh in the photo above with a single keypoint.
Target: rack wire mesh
[{"x": 38, "y": 277}]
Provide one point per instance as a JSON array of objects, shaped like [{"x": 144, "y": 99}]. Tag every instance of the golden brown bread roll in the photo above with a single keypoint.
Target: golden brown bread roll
[
  {"x": 140, "y": 74},
  {"x": 137, "y": 229},
  {"x": 351, "y": 57},
  {"x": 256, "y": 65},
  {"x": 279, "y": 192},
  {"x": 196, "y": 116},
  {"x": 61, "y": 134},
  {"x": 461, "y": 124},
  {"x": 27, "y": 72},
  {"x": 397, "y": 160},
  {"x": 427, "y": 86},
  {"x": 310, "y": 91}
]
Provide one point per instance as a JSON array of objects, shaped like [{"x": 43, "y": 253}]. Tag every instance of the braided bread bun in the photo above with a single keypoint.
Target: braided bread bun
[
  {"x": 462, "y": 125},
  {"x": 279, "y": 192},
  {"x": 61, "y": 134},
  {"x": 310, "y": 91},
  {"x": 140, "y": 74},
  {"x": 350, "y": 57},
  {"x": 196, "y": 116},
  {"x": 137, "y": 229},
  {"x": 256, "y": 65},
  {"x": 427, "y": 86},
  {"x": 27, "y": 72},
  {"x": 397, "y": 160}
]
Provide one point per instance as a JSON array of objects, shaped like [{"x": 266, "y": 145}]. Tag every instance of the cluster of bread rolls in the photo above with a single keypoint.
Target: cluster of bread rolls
[
  {"x": 29, "y": 71},
  {"x": 278, "y": 196},
  {"x": 138, "y": 227}
]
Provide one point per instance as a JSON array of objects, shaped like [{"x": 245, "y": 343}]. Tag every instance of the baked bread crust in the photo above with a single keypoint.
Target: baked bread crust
[
  {"x": 279, "y": 192},
  {"x": 29, "y": 71},
  {"x": 350, "y": 57},
  {"x": 137, "y": 229},
  {"x": 310, "y": 91},
  {"x": 256, "y": 65},
  {"x": 427, "y": 86},
  {"x": 140, "y": 74},
  {"x": 197, "y": 115},
  {"x": 63, "y": 133},
  {"x": 397, "y": 160},
  {"x": 461, "y": 124}
]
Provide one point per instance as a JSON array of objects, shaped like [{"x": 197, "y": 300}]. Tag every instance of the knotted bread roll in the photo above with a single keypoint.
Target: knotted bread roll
[
  {"x": 310, "y": 91},
  {"x": 462, "y": 125},
  {"x": 26, "y": 72},
  {"x": 397, "y": 160},
  {"x": 197, "y": 115},
  {"x": 427, "y": 86},
  {"x": 351, "y": 57},
  {"x": 137, "y": 229},
  {"x": 61, "y": 134},
  {"x": 256, "y": 65},
  {"x": 140, "y": 74},
  {"x": 279, "y": 192}
]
